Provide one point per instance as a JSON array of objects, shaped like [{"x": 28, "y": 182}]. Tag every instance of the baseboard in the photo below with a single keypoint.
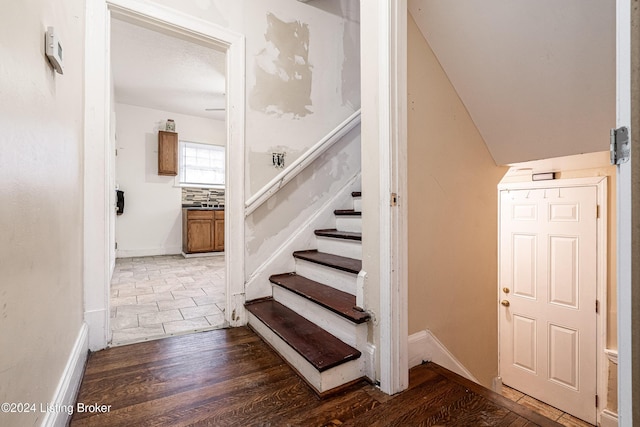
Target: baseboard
[
  {"x": 368, "y": 353},
  {"x": 425, "y": 347},
  {"x": 98, "y": 328},
  {"x": 130, "y": 253},
  {"x": 67, "y": 390},
  {"x": 608, "y": 419},
  {"x": 202, "y": 254}
]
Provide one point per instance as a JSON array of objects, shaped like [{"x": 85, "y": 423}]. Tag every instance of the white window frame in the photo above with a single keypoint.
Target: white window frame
[{"x": 180, "y": 182}]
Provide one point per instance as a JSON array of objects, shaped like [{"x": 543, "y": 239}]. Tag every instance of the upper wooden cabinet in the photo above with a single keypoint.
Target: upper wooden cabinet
[{"x": 167, "y": 153}]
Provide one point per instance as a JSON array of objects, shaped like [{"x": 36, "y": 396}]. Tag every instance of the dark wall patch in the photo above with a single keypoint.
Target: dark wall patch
[{"x": 283, "y": 72}]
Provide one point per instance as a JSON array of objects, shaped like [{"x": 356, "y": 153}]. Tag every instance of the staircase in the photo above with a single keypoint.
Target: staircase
[{"x": 312, "y": 320}]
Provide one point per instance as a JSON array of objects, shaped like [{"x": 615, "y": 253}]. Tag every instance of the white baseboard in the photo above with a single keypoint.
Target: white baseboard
[
  {"x": 608, "y": 419},
  {"x": 368, "y": 353},
  {"x": 67, "y": 390},
  {"x": 130, "y": 253},
  {"x": 98, "y": 328},
  {"x": 425, "y": 347}
]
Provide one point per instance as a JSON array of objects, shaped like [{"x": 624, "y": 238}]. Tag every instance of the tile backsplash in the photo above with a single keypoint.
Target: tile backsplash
[{"x": 202, "y": 195}]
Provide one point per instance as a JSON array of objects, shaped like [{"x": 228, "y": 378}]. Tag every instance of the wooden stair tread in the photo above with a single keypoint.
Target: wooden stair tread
[
  {"x": 341, "y": 303},
  {"x": 347, "y": 212},
  {"x": 356, "y": 194},
  {"x": 321, "y": 349},
  {"x": 346, "y": 235},
  {"x": 350, "y": 265}
]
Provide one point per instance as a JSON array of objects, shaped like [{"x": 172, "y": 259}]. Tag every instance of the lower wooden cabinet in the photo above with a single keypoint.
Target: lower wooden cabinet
[{"x": 202, "y": 231}]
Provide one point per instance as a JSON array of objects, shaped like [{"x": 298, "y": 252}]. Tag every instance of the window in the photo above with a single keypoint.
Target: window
[{"x": 201, "y": 164}]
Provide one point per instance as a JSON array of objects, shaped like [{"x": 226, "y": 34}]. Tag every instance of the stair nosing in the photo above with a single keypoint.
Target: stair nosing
[
  {"x": 363, "y": 319},
  {"x": 356, "y": 194},
  {"x": 301, "y": 255},
  {"x": 347, "y": 212},
  {"x": 335, "y": 234},
  {"x": 354, "y": 353}
]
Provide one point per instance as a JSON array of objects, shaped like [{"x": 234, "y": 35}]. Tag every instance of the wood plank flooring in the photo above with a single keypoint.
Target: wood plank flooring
[{"x": 231, "y": 378}]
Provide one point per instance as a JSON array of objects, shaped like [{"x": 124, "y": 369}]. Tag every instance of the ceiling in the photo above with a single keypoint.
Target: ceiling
[
  {"x": 537, "y": 77},
  {"x": 154, "y": 70}
]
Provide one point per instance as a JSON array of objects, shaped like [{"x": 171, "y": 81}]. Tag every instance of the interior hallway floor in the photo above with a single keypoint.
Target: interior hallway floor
[
  {"x": 542, "y": 408},
  {"x": 161, "y": 296}
]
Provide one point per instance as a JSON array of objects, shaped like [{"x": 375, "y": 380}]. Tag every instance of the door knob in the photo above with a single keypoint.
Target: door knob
[
  {"x": 505, "y": 303},
  {"x": 505, "y": 290}
]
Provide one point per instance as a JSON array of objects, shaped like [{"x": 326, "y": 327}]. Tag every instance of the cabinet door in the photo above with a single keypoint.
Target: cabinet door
[
  {"x": 200, "y": 235},
  {"x": 219, "y": 235},
  {"x": 167, "y": 153}
]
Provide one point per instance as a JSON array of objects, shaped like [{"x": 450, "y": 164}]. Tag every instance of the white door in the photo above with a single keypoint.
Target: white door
[{"x": 547, "y": 292}]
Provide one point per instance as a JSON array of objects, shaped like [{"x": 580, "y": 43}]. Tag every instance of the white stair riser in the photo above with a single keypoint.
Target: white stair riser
[
  {"x": 349, "y": 223},
  {"x": 351, "y": 333},
  {"x": 321, "y": 381},
  {"x": 357, "y": 204},
  {"x": 337, "y": 279},
  {"x": 342, "y": 247}
]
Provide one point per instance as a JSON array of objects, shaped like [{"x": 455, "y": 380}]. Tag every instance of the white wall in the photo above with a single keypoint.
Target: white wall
[
  {"x": 538, "y": 77},
  {"x": 277, "y": 220},
  {"x": 328, "y": 72},
  {"x": 41, "y": 170},
  {"x": 152, "y": 220}
]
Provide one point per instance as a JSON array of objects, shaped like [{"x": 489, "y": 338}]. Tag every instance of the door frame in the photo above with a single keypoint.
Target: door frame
[
  {"x": 628, "y": 181},
  {"x": 100, "y": 170},
  {"x": 600, "y": 182}
]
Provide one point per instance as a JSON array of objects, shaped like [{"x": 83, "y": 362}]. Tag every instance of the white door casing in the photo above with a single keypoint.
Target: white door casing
[
  {"x": 549, "y": 274},
  {"x": 99, "y": 171}
]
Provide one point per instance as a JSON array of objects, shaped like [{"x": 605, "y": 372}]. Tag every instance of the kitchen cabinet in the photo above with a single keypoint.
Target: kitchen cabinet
[
  {"x": 202, "y": 230},
  {"x": 167, "y": 153}
]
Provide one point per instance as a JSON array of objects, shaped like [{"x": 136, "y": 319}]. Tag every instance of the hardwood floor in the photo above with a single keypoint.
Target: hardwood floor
[{"x": 231, "y": 378}]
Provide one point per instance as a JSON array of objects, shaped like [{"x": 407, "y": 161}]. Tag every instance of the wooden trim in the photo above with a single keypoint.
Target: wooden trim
[
  {"x": 291, "y": 171},
  {"x": 97, "y": 155},
  {"x": 392, "y": 115},
  {"x": 628, "y": 183},
  {"x": 69, "y": 384}
]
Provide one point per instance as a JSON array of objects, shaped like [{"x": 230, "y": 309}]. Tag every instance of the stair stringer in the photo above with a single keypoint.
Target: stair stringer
[{"x": 258, "y": 285}]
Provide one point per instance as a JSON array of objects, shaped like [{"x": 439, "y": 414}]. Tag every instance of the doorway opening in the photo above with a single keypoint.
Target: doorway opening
[
  {"x": 553, "y": 287},
  {"x": 168, "y": 86}
]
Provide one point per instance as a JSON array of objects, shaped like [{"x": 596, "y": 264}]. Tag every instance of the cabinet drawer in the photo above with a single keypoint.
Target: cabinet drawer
[{"x": 200, "y": 214}]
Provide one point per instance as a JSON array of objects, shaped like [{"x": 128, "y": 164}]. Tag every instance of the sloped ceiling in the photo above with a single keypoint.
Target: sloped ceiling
[
  {"x": 154, "y": 70},
  {"x": 537, "y": 76}
]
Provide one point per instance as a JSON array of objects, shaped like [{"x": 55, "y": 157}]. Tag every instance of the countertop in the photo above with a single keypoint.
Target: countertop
[{"x": 202, "y": 208}]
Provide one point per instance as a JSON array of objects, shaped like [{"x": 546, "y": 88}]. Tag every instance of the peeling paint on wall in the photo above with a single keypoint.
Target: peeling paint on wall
[{"x": 283, "y": 72}]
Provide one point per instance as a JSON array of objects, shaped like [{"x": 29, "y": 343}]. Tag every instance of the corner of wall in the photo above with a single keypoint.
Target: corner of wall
[{"x": 425, "y": 347}]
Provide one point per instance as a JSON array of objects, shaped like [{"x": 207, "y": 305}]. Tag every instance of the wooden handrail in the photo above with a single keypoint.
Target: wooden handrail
[{"x": 301, "y": 163}]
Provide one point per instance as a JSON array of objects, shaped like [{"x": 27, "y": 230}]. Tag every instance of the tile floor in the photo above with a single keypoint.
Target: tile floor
[
  {"x": 542, "y": 408},
  {"x": 160, "y": 296}
]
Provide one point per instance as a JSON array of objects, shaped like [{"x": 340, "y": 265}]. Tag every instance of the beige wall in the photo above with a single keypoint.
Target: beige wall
[
  {"x": 452, "y": 218},
  {"x": 41, "y": 116}
]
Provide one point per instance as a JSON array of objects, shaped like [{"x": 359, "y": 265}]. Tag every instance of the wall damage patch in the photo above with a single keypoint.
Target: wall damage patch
[{"x": 283, "y": 72}]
